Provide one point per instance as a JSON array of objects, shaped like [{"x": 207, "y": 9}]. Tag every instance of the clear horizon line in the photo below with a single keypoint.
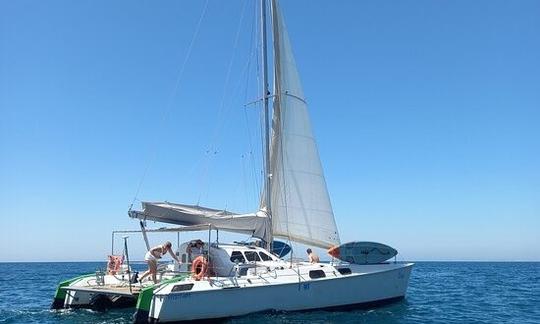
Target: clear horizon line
[{"x": 401, "y": 261}]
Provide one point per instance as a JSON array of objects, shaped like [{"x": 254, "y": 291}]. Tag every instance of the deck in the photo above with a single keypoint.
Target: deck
[{"x": 114, "y": 290}]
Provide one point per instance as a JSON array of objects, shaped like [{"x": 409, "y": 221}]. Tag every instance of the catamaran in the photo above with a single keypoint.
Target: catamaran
[{"x": 235, "y": 279}]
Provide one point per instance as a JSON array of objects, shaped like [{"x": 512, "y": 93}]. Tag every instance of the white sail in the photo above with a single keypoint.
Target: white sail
[
  {"x": 255, "y": 224},
  {"x": 301, "y": 208}
]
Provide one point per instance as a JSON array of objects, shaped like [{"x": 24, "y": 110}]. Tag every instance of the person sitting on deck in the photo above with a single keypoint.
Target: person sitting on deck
[
  {"x": 194, "y": 249},
  {"x": 153, "y": 255},
  {"x": 312, "y": 257}
]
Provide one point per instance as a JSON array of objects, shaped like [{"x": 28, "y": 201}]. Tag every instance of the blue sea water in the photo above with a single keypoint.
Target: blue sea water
[{"x": 439, "y": 292}]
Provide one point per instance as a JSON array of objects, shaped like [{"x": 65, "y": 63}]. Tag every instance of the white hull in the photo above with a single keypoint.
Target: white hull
[{"x": 364, "y": 285}]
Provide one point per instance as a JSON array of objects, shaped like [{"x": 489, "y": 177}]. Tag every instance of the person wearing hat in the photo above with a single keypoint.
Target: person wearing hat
[{"x": 194, "y": 249}]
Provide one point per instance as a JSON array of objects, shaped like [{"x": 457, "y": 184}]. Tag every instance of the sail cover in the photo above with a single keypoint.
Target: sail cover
[
  {"x": 188, "y": 215},
  {"x": 301, "y": 208}
]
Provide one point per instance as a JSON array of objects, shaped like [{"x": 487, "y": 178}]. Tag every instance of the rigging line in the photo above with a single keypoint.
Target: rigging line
[
  {"x": 263, "y": 152},
  {"x": 252, "y": 49},
  {"x": 250, "y": 152},
  {"x": 236, "y": 89},
  {"x": 245, "y": 181},
  {"x": 172, "y": 95},
  {"x": 255, "y": 44},
  {"x": 222, "y": 106},
  {"x": 251, "y": 162},
  {"x": 260, "y": 95},
  {"x": 261, "y": 140}
]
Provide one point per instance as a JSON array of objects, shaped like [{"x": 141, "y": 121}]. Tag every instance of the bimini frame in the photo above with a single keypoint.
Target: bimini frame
[{"x": 144, "y": 230}]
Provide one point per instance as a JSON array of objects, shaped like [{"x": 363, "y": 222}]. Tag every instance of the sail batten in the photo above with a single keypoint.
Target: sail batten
[{"x": 301, "y": 207}]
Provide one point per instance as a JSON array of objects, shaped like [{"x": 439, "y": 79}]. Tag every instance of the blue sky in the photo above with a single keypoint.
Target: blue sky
[{"x": 426, "y": 115}]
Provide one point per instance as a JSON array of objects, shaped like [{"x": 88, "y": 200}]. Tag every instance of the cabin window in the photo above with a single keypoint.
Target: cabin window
[
  {"x": 237, "y": 256},
  {"x": 316, "y": 274},
  {"x": 182, "y": 287},
  {"x": 265, "y": 257},
  {"x": 252, "y": 256},
  {"x": 242, "y": 272},
  {"x": 345, "y": 271}
]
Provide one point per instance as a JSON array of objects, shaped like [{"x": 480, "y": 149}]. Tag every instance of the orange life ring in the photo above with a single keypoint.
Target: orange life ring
[
  {"x": 115, "y": 261},
  {"x": 199, "y": 267}
]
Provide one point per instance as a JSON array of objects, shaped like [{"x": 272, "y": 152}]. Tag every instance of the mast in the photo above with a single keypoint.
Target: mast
[{"x": 267, "y": 137}]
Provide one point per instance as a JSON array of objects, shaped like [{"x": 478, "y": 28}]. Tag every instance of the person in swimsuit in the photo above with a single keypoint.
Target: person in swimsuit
[
  {"x": 312, "y": 257},
  {"x": 153, "y": 255}
]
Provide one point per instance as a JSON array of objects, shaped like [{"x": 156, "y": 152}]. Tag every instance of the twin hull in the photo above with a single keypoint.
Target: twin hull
[{"x": 352, "y": 290}]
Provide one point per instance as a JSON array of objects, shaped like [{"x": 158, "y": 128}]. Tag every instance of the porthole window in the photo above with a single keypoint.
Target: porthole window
[
  {"x": 345, "y": 271},
  {"x": 182, "y": 287},
  {"x": 316, "y": 274}
]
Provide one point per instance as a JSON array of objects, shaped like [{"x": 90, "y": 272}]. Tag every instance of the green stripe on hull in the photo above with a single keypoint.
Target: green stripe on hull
[
  {"x": 60, "y": 294},
  {"x": 145, "y": 299}
]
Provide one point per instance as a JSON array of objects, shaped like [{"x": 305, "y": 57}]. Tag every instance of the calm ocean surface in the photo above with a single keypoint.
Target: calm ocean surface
[{"x": 439, "y": 292}]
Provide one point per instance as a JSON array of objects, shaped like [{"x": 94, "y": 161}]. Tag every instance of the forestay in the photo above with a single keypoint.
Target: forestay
[{"x": 301, "y": 208}]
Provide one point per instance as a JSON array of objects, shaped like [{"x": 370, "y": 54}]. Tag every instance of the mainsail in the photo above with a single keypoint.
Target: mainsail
[
  {"x": 301, "y": 208},
  {"x": 255, "y": 224},
  {"x": 300, "y": 205}
]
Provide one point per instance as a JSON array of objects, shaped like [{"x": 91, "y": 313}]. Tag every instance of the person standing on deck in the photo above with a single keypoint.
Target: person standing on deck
[
  {"x": 312, "y": 257},
  {"x": 194, "y": 249},
  {"x": 153, "y": 255}
]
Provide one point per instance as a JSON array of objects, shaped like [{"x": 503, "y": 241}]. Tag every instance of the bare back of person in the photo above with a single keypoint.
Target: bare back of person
[
  {"x": 312, "y": 257},
  {"x": 153, "y": 255}
]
